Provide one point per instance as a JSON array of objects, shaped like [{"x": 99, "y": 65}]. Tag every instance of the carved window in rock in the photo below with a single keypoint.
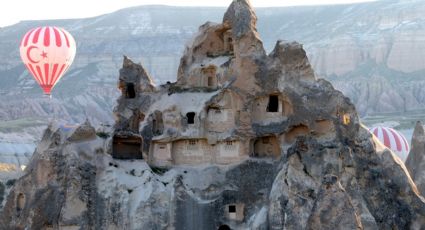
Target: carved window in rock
[
  {"x": 192, "y": 145},
  {"x": 138, "y": 118},
  {"x": 216, "y": 115},
  {"x": 130, "y": 91},
  {"x": 190, "y": 118},
  {"x": 20, "y": 202},
  {"x": 230, "y": 146},
  {"x": 273, "y": 105},
  {"x": 266, "y": 147},
  {"x": 154, "y": 126},
  {"x": 162, "y": 146},
  {"x": 230, "y": 44},
  {"x": 157, "y": 123},
  {"x": 210, "y": 75},
  {"x": 235, "y": 212},
  {"x": 210, "y": 81}
]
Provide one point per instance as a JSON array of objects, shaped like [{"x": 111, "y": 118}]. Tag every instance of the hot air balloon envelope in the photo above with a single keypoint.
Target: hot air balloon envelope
[
  {"x": 393, "y": 139},
  {"x": 47, "y": 52}
]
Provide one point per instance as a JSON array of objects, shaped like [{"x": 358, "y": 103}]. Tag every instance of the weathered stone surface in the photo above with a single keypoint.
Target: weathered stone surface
[
  {"x": 83, "y": 132},
  {"x": 415, "y": 161},
  {"x": 333, "y": 208},
  {"x": 242, "y": 140}
]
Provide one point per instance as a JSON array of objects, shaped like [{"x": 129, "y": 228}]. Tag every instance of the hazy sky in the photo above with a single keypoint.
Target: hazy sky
[{"x": 13, "y": 11}]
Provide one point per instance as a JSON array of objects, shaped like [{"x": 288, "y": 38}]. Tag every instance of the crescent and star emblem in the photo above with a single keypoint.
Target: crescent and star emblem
[{"x": 31, "y": 59}]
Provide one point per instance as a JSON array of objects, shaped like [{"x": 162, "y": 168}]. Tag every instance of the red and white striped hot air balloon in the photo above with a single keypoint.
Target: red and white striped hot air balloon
[
  {"x": 47, "y": 52},
  {"x": 393, "y": 139}
]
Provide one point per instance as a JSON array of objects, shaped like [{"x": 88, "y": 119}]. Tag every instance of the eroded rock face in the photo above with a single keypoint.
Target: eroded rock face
[
  {"x": 242, "y": 140},
  {"x": 415, "y": 161}
]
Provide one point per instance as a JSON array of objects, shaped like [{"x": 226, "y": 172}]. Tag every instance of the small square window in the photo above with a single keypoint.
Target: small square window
[
  {"x": 161, "y": 146},
  {"x": 190, "y": 117},
  {"x": 232, "y": 208},
  {"x": 192, "y": 142},
  {"x": 217, "y": 111}
]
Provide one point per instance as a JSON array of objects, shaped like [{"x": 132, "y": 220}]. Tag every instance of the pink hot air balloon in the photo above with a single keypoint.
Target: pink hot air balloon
[
  {"x": 47, "y": 52},
  {"x": 393, "y": 140}
]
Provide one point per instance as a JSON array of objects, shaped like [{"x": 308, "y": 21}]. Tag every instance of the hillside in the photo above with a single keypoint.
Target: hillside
[{"x": 373, "y": 52}]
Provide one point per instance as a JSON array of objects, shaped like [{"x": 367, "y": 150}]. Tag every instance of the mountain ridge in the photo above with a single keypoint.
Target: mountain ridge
[{"x": 347, "y": 44}]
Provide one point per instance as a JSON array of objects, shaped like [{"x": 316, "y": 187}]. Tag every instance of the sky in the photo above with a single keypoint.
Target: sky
[{"x": 14, "y": 11}]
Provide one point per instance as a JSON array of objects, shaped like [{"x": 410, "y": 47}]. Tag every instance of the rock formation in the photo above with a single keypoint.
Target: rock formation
[
  {"x": 415, "y": 162},
  {"x": 242, "y": 140}
]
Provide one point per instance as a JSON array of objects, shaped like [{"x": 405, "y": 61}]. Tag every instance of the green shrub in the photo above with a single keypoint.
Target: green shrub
[{"x": 103, "y": 135}]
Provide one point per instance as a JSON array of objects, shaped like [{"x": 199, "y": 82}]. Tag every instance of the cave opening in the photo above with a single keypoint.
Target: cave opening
[
  {"x": 224, "y": 227},
  {"x": 190, "y": 117},
  {"x": 127, "y": 147},
  {"x": 210, "y": 81},
  {"x": 20, "y": 202},
  {"x": 273, "y": 105},
  {"x": 130, "y": 91},
  {"x": 230, "y": 44}
]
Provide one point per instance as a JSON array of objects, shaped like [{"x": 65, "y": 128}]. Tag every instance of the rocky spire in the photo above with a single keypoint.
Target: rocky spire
[
  {"x": 235, "y": 37},
  {"x": 241, "y": 18},
  {"x": 135, "y": 73},
  {"x": 415, "y": 162},
  {"x": 291, "y": 60}
]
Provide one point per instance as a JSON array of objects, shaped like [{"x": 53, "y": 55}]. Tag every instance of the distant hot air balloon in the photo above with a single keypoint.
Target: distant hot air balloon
[
  {"x": 47, "y": 52},
  {"x": 393, "y": 139}
]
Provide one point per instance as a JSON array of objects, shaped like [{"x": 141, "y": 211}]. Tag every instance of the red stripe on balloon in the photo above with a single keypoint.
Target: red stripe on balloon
[
  {"x": 66, "y": 37},
  {"x": 46, "y": 73},
  {"x": 406, "y": 145},
  {"x": 36, "y": 35},
  {"x": 55, "y": 68},
  {"x": 59, "y": 74},
  {"x": 375, "y": 132},
  {"x": 34, "y": 73},
  {"x": 57, "y": 37},
  {"x": 47, "y": 36},
  {"x": 27, "y": 37},
  {"x": 56, "y": 75},
  {"x": 397, "y": 139},
  {"x": 31, "y": 69},
  {"x": 40, "y": 78},
  {"x": 386, "y": 138},
  {"x": 40, "y": 74}
]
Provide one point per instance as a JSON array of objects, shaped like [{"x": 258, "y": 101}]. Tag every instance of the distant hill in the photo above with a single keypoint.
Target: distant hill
[{"x": 373, "y": 52}]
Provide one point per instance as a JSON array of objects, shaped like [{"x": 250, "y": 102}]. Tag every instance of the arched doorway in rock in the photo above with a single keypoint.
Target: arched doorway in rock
[
  {"x": 273, "y": 104},
  {"x": 130, "y": 91},
  {"x": 20, "y": 202}
]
